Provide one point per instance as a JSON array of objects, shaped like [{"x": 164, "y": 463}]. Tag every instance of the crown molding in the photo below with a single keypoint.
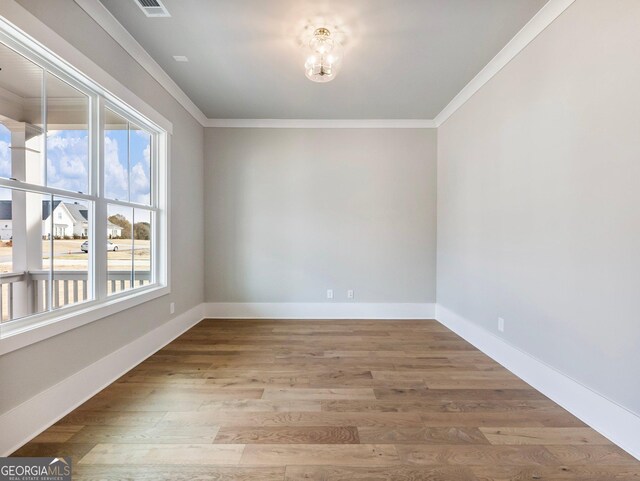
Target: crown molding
[
  {"x": 322, "y": 123},
  {"x": 114, "y": 28},
  {"x": 534, "y": 27},
  {"x": 547, "y": 14}
]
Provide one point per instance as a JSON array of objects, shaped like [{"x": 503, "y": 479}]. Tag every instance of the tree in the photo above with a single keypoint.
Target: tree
[
  {"x": 142, "y": 231},
  {"x": 120, "y": 220}
]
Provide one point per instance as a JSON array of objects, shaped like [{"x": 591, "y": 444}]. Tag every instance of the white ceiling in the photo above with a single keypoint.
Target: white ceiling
[{"x": 405, "y": 59}]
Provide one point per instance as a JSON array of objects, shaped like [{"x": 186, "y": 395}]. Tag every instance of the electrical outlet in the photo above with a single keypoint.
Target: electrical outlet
[
  {"x": 350, "y": 294},
  {"x": 500, "y": 324},
  {"x": 172, "y": 308},
  {"x": 329, "y": 293}
]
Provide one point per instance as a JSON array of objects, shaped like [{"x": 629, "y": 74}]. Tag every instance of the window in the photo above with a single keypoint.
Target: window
[{"x": 82, "y": 202}]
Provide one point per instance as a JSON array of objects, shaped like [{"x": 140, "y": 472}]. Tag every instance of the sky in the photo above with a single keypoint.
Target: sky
[
  {"x": 121, "y": 178},
  {"x": 127, "y": 162},
  {"x": 5, "y": 153}
]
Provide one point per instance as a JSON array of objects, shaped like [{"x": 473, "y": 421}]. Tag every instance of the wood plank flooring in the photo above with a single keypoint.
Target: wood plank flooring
[{"x": 326, "y": 401}]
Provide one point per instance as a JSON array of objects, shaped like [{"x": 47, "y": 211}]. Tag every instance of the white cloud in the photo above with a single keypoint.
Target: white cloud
[
  {"x": 68, "y": 160},
  {"x": 4, "y": 150},
  {"x": 142, "y": 133},
  {"x": 5, "y": 159},
  {"x": 140, "y": 184},
  {"x": 116, "y": 177},
  {"x": 57, "y": 142},
  {"x": 73, "y": 167},
  {"x": 147, "y": 155},
  {"x": 52, "y": 171}
]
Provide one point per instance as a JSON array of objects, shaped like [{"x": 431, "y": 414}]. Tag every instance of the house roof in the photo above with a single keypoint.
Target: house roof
[
  {"x": 5, "y": 210},
  {"x": 46, "y": 206},
  {"x": 77, "y": 212}
]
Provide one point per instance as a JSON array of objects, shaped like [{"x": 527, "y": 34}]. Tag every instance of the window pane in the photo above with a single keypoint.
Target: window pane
[
  {"x": 5, "y": 151},
  {"x": 67, "y": 136},
  {"x": 70, "y": 251},
  {"x": 21, "y": 116},
  {"x": 116, "y": 156},
  {"x": 24, "y": 254},
  {"x": 140, "y": 160},
  {"x": 142, "y": 232},
  {"x": 119, "y": 249},
  {"x": 6, "y": 232}
]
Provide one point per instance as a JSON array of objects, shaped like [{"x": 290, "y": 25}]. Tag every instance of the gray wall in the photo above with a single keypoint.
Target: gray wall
[
  {"x": 290, "y": 213},
  {"x": 538, "y": 195},
  {"x": 537, "y": 208},
  {"x": 28, "y": 371}
]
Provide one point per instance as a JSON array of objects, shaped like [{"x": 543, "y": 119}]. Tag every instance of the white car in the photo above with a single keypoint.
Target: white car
[{"x": 110, "y": 246}]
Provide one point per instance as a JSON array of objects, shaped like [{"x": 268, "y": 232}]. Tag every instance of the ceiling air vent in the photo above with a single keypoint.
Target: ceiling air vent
[{"x": 153, "y": 8}]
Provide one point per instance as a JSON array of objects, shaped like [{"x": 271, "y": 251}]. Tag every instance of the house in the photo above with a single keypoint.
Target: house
[
  {"x": 369, "y": 239},
  {"x": 69, "y": 220},
  {"x": 114, "y": 231},
  {"x": 6, "y": 230}
]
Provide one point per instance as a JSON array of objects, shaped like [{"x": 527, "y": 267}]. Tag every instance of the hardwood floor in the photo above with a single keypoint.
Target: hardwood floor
[{"x": 326, "y": 401}]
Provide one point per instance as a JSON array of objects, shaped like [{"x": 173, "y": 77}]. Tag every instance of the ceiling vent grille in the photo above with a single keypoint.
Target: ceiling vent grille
[{"x": 153, "y": 8}]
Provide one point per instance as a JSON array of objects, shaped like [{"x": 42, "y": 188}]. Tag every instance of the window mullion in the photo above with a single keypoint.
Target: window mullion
[
  {"x": 97, "y": 241},
  {"x": 14, "y": 184}
]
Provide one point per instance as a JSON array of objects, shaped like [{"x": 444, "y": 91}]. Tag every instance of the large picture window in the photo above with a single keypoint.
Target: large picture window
[{"x": 81, "y": 200}]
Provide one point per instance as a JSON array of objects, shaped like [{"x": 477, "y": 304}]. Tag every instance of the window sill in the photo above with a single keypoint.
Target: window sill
[{"x": 17, "y": 334}]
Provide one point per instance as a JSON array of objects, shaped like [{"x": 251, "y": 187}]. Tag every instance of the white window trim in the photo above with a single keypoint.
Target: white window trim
[
  {"x": 38, "y": 327},
  {"x": 21, "y": 333}
]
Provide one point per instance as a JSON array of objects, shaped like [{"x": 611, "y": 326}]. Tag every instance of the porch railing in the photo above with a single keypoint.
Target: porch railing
[
  {"x": 69, "y": 287},
  {"x": 7, "y": 282}
]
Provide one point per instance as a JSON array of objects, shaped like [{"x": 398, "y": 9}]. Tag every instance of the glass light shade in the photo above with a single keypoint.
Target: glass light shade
[
  {"x": 321, "y": 41},
  {"x": 323, "y": 57}
]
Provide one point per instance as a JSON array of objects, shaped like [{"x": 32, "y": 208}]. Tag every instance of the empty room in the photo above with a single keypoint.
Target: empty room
[{"x": 300, "y": 240}]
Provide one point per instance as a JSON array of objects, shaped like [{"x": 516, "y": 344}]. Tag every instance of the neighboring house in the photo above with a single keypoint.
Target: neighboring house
[
  {"x": 113, "y": 230},
  {"x": 6, "y": 230},
  {"x": 69, "y": 219}
]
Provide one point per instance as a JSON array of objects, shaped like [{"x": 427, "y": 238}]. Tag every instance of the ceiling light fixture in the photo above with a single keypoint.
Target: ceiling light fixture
[{"x": 323, "y": 56}]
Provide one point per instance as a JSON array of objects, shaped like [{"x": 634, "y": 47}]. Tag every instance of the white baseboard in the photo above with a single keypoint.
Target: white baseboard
[
  {"x": 30, "y": 418},
  {"x": 33, "y": 416},
  {"x": 616, "y": 423},
  {"x": 318, "y": 310}
]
